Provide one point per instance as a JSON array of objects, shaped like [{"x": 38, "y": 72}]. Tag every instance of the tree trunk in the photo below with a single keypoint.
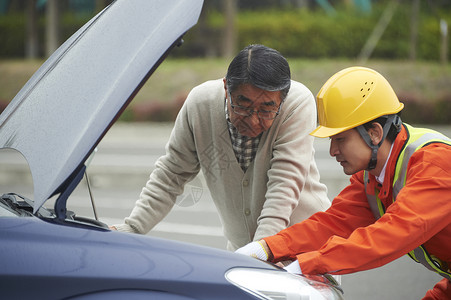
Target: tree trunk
[
  {"x": 444, "y": 42},
  {"x": 230, "y": 36},
  {"x": 52, "y": 26},
  {"x": 31, "y": 43},
  {"x": 414, "y": 29}
]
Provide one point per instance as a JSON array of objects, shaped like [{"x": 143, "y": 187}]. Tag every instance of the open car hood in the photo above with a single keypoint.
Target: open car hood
[{"x": 64, "y": 110}]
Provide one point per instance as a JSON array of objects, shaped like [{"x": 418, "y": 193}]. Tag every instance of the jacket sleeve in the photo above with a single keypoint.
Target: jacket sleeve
[
  {"x": 349, "y": 210},
  {"x": 442, "y": 290},
  {"x": 290, "y": 166},
  {"x": 179, "y": 165},
  {"x": 421, "y": 211}
]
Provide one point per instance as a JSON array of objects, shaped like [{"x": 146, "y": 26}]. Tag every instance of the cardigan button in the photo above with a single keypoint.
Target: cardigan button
[
  {"x": 247, "y": 212},
  {"x": 245, "y": 182}
]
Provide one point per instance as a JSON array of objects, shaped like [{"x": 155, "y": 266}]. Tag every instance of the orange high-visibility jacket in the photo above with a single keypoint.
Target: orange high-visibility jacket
[{"x": 347, "y": 238}]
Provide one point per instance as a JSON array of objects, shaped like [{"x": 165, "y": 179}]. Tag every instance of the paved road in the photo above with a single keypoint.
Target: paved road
[{"x": 122, "y": 164}]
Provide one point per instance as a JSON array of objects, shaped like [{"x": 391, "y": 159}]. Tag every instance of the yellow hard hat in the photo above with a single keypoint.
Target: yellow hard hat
[{"x": 352, "y": 97}]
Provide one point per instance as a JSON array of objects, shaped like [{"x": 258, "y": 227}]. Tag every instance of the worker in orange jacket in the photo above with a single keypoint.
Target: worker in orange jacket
[{"x": 399, "y": 197}]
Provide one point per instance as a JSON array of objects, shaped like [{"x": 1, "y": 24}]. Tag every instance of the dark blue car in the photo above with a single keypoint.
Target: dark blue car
[{"x": 55, "y": 122}]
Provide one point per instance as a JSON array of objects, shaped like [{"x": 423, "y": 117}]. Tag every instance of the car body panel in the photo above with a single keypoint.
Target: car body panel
[{"x": 78, "y": 261}]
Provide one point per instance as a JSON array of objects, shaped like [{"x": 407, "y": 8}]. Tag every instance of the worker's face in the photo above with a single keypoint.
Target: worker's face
[
  {"x": 350, "y": 150},
  {"x": 253, "y": 99}
]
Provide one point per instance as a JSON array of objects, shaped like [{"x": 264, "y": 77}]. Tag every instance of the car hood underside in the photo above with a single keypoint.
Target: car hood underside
[{"x": 67, "y": 106}]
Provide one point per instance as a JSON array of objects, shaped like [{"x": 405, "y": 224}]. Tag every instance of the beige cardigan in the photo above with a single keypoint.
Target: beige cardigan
[{"x": 281, "y": 186}]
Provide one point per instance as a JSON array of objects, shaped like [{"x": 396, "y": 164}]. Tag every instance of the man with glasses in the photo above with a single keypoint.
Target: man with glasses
[{"x": 249, "y": 135}]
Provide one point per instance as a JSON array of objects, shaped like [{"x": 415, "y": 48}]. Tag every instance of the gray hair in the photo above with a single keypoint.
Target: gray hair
[{"x": 262, "y": 67}]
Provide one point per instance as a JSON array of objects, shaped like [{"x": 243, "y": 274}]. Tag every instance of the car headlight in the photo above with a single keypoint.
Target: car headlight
[{"x": 278, "y": 284}]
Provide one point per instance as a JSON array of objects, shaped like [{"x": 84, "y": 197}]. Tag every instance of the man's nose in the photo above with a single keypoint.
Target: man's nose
[
  {"x": 253, "y": 118},
  {"x": 333, "y": 149}
]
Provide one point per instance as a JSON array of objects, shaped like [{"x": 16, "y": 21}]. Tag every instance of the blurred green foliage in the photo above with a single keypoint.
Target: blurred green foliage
[
  {"x": 13, "y": 32},
  {"x": 12, "y": 35},
  {"x": 318, "y": 34},
  {"x": 294, "y": 32}
]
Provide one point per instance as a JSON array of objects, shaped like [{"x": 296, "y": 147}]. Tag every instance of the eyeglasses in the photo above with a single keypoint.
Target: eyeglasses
[{"x": 247, "y": 112}]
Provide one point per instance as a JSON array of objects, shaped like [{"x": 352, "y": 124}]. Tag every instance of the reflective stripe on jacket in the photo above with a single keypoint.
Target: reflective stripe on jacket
[{"x": 417, "y": 138}]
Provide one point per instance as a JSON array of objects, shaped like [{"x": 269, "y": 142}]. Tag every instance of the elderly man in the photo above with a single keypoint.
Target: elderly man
[{"x": 249, "y": 135}]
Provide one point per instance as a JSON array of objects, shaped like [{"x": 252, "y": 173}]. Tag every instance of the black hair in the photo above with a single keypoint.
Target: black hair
[{"x": 262, "y": 67}]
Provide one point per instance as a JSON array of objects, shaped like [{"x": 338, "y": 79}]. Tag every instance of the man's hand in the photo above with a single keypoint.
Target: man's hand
[{"x": 258, "y": 250}]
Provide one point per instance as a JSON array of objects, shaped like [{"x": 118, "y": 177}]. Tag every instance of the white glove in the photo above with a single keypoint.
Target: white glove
[
  {"x": 254, "y": 249},
  {"x": 294, "y": 268}
]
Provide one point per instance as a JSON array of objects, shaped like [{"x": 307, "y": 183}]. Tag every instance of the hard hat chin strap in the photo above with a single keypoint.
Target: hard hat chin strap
[{"x": 391, "y": 119}]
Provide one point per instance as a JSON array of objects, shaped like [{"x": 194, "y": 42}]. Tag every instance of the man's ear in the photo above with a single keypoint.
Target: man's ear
[
  {"x": 376, "y": 132},
  {"x": 225, "y": 86}
]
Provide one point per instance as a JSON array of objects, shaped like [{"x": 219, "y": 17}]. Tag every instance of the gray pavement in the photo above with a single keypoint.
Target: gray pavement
[{"x": 122, "y": 164}]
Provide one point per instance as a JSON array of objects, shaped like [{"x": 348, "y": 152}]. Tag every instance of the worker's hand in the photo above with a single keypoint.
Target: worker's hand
[
  {"x": 112, "y": 227},
  {"x": 294, "y": 268},
  {"x": 254, "y": 249}
]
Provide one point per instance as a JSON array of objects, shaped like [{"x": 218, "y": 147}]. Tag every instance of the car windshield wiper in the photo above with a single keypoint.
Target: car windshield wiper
[{"x": 23, "y": 206}]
